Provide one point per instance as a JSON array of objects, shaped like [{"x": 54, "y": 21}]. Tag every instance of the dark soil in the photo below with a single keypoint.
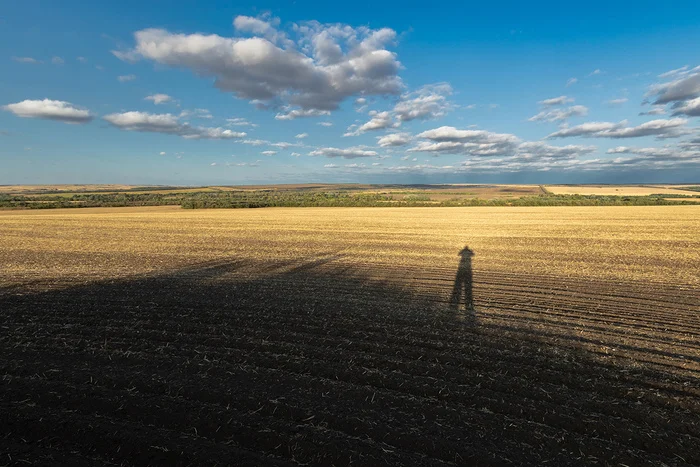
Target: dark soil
[{"x": 315, "y": 366}]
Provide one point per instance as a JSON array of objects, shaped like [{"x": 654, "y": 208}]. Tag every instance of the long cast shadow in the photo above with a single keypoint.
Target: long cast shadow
[{"x": 316, "y": 364}]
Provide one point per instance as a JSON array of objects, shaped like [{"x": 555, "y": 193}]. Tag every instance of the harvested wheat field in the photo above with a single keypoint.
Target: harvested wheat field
[
  {"x": 621, "y": 190},
  {"x": 338, "y": 336}
]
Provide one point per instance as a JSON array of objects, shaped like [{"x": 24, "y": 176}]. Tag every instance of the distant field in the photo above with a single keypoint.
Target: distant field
[
  {"x": 481, "y": 191},
  {"x": 331, "y": 336},
  {"x": 338, "y": 195},
  {"x": 620, "y": 190}
]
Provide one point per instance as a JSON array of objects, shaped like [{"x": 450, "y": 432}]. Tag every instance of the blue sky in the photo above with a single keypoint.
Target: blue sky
[{"x": 278, "y": 92}]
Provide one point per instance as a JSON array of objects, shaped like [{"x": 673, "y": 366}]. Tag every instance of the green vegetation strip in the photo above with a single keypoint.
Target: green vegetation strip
[{"x": 272, "y": 198}]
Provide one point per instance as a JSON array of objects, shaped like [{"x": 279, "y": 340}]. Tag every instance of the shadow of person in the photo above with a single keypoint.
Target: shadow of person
[{"x": 463, "y": 283}]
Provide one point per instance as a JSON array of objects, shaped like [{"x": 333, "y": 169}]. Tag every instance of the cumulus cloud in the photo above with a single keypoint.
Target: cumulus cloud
[
  {"x": 561, "y": 100},
  {"x": 57, "y": 61},
  {"x": 586, "y": 129},
  {"x": 158, "y": 99},
  {"x": 162, "y": 153},
  {"x": 394, "y": 139},
  {"x": 451, "y": 140},
  {"x": 125, "y": 78},
  {"x": 685, "y": 86},
  {"x": 616, "y": 102},
  {"x": 495, "y": 146},
  {"x": 168, "y": 124},
  {"x": 595, "y": 72},
  {"x": 268, "y": 153},
  {"x": 348, "y": 153},
  {"x": 322, "y": 66},
  {"x": 690, "y": 108},
  {"x": 81, "y": 59},
  {"x": 379, "y": 121},
  {"x": 326, "y": 124},
  {"x": 428, "y": 102},
  {"x": 571, "y": 82},
  {"x": 556, "y": 115},
  {"x": 61, "y": 111},
  {"x": 301, "y": 135},
  {"x": 661, "y": 128}
]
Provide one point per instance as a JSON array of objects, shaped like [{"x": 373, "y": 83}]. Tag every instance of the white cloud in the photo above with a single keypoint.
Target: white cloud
[
  {"x": 158, "y": 99},
  {"x": 616, "y": 102},
  {"x": 61, "y": 111},
  {"x": 162, "y": 153},
  {"x": 268, "y": 153},
  {"x": 668, "y": 152},
  {"x": 255, "y": 26},
  {"x": 672, "y": 73},
  {"x": 450, "y": 140},
  {"x": 81, "y": 59},
  {"x": 196, "y": 113},
  {"x": 239, "y": 121},
  {"x": 323, "y": 66},
  {"x": 360, "y": 104},
  {"x": 571, "y": 82},
  {"x": 556, "y": 115},
  {"x": 394, "y": 139},
  {"x": 586, "y": 129},
  {"x": 540, "y": 150},
  {"x": 428, "y": 102},
  {"x": 254, "y": 142},
  {"x": 57, "y": 61},
  {"x": 330, "y": 166},
  {"x": 30, "y": 60},
  {"x": 379, "y": 121},
  {"x": 595, "y": 72},
  {"x": 348, "y": 153},
  {"x": 301, "y": 113},
  {"x": 326, "y": 124},
  {"x": 125, "y": 78},
  {"x": 301, "y": 135},
  {"x": 686, "y": 86},
  {"x": 561, "y": 100},
  {"x": 661, "y": 128},
  {"x": 296, "y": 154},
  {"x": 284, "y": 145},
  {"x": 213, "y": 164},
  {"x": 166, "y": 123}
]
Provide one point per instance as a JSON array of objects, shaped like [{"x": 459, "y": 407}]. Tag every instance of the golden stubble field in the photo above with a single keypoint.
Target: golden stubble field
[
  {"x": 331, "y": 336},
  {"x": 654, "y": 244}
]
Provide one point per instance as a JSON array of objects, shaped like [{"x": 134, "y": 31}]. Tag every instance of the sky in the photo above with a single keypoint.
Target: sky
[{"x": 220, "y": 92}]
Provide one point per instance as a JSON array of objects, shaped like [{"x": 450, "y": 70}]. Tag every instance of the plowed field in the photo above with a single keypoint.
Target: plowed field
[{"x": 331, "y": 336}]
